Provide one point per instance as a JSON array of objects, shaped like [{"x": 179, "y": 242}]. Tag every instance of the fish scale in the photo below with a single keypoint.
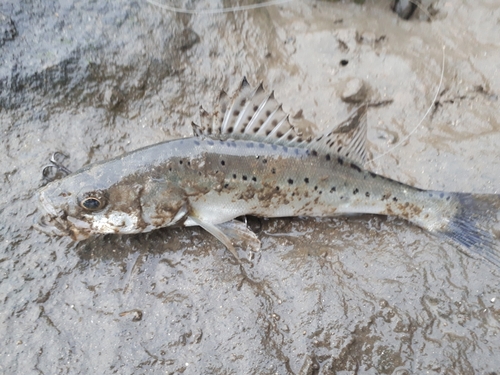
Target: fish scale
[{"x": 246, "y": 158}]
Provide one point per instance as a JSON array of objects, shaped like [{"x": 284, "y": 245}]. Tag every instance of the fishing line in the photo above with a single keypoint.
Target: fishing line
[
  {"x": 423, "y": 10},
  {"x": 423, "y": 118},
  {"x": 220, "y": 10}
]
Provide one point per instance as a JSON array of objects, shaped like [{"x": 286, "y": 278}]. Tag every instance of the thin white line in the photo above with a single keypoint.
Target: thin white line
[
  {"x": 421, "y": 121},
  {"x": 221, "y": 10}
]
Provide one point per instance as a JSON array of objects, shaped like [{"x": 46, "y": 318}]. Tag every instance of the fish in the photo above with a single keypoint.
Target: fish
[{"x": 246, "y": 158}]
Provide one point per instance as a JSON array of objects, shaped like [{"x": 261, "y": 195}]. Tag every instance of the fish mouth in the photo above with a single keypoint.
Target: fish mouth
[
  {"x": 55, "y": 226},
  {"x": 52, "y": 226}
]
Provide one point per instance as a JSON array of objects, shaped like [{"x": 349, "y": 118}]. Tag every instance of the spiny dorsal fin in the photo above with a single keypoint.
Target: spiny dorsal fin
[
  {"x": 347, "y": 140},
  {"x": 253, "y": 114},
  {"x": 250, "y": 114}
]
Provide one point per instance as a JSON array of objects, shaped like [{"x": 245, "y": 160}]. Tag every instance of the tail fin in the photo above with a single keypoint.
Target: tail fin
[{"x": 476, "y": 226}]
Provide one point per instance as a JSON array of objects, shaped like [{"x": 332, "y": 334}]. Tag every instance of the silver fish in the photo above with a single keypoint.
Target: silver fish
[{"x": 247, "y": 159}]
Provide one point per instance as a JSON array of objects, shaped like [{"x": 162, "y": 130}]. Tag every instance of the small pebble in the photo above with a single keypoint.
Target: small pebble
[{"x": 354, "y": 91}]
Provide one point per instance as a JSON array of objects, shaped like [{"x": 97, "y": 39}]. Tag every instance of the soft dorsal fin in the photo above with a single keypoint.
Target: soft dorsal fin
[
  {"x": 253, "y": 114},
  {"x": 347, "y": 140}
]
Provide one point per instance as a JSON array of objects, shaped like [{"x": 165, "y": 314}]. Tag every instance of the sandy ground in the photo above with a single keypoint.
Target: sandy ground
[{"x": 364, "y": 295}]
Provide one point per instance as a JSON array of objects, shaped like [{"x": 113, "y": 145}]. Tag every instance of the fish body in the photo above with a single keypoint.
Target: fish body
[{"x": 246, "y": 159}]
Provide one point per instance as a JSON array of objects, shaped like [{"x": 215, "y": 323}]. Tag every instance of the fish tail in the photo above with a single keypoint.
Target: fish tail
[{"x": 475, "y": 226}]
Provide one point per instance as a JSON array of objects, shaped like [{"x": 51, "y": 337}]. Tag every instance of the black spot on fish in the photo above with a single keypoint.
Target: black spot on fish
[
  {"x": 249, "y": 118},
  {"x": 277, "y": 188},
  {"x": 230, "y": 129},
  {"x": 236, "y": 112},
  {"x": 333, "y": 189},
  {"x": 262, "y": 145},
  {"x": 273, "y": 170},
  {"x": 341, "y": 161},
  {"x": 226, "y": 186},
  {"x": 314, "y": 153},
  {"x": 254, "y": 179},
  {"x": 242, "y": 130},
  {"x": 367, "y": 194},
  {"x": 243, "y": 101},
  {"x": 355, "y": 191},
  {"x": 373, "y": 175},
  {"x": 320, "y": 192},
  {"x": 315, "y": 188},
  {"x": 250, "y": 144},
  {"x": 211, "y": 143},
  {"x": 234, "y": 175},
  {"x": 355, "y": 167},
  {"x": 290, "y": 137},
  {"x": 180, "y": 162},
  {"x": 255, "y": 108},
  {"x": 327, "y": 157},
  {"x": 279, "y": 134},
  {"x": 306, "y": 180},
  {"x": 268, "y": 113},
  {"x": 244, "y": 178},
  {"x": 448, "y": 198},
  {"x": 441, "y": 195},
  {"x": 256, "y": 129},
  {"x": 197, "y": 143},
  {"x": 223, "y": 162},
  {"x": 189, "y": 163},
  {"x": 261, "y": 122},
  {"x": 341, "y": 197},
  {"x": 264, "y": 161},
  {"x": 274, "y": 123},
  {"x": 339, "y": 149},
  {"x": 290, "y": 181}
]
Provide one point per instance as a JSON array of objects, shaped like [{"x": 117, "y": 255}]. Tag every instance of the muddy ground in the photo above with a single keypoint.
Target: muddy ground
[{"x": 363, "y": 295}]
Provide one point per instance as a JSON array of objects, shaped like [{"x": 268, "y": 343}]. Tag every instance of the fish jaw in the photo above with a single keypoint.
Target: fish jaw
[{"x": 50, "y": 222}]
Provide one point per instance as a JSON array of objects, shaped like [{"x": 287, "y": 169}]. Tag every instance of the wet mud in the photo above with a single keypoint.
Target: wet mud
[{"x": 359, "y": 295}]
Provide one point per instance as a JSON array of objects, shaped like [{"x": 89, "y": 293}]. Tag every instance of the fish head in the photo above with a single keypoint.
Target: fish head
[{"x": 81, "y": 205}]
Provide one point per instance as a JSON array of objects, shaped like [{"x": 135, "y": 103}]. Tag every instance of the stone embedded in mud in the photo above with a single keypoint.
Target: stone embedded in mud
[
  {"x": 7, "y": 29},
  {"x": 354, "y": 91},
  {"x": 187, "y": 39},
  {"x": 404, "y": 8}
]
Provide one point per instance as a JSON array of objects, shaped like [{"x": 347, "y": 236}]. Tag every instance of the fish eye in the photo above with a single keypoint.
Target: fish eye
[
  {"x": 91, "y": 204},
  {"x": 93, "y": 201}
]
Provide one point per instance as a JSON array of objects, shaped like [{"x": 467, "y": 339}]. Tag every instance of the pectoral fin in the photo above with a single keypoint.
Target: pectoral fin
[{"x": 230, "y": 233}]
